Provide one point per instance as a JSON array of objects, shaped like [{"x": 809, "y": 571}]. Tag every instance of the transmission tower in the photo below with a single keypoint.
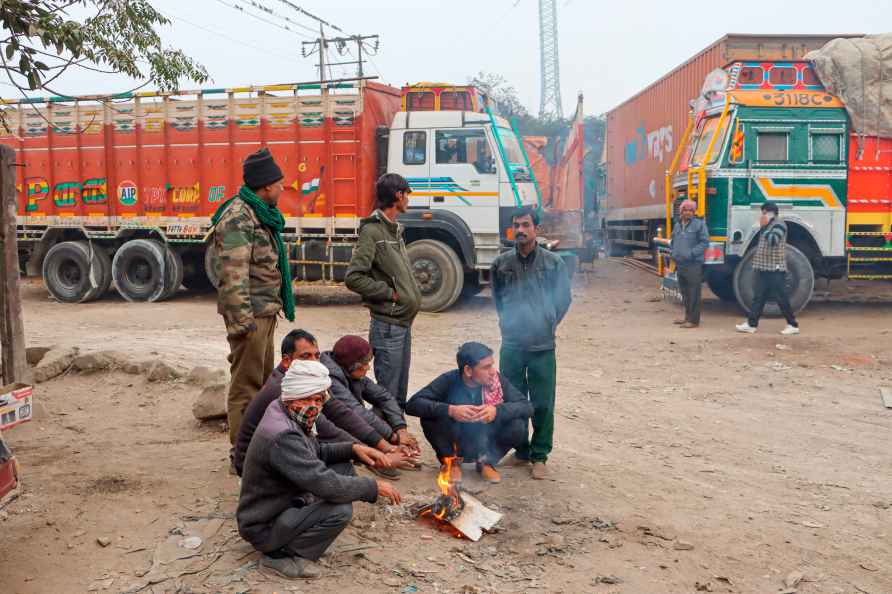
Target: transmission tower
[{"x": 550, "y": 98}]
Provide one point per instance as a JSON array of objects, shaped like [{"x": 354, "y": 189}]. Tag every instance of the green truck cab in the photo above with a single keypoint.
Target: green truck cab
[{"x": 770, "y": 131}]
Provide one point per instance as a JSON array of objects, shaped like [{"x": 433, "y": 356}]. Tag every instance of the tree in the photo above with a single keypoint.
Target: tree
[
  {"x": 44, "y": 40},
  {"x": 501, "y": 93}
]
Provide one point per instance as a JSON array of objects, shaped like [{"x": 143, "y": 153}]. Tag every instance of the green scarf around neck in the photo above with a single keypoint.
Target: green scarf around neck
[{"x": 271, "y": 218}]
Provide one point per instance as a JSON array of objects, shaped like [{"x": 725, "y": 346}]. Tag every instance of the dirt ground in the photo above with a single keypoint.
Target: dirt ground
[{"x": 685, "y": 460}]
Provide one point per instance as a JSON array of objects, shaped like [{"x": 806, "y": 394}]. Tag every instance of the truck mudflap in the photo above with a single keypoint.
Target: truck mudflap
[
  {"x": 713, "y": 256},
  {"x": 666, "y": 270}
]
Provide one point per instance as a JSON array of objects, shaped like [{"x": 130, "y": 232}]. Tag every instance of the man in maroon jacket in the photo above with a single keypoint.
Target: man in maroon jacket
[{"x": 337, "y": 423}]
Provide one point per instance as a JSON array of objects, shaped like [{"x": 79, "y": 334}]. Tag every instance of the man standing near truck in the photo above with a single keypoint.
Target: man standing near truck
[
  {"x": 531, "y": 289},
  {"x": 770, "y": 264},
  {"x": 690, "y": 238},
  {"x": 379, "y": 272},
  {"x": 255, "y": 279}
]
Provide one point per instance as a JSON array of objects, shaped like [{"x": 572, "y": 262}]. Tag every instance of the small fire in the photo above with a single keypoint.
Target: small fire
[
  {"x": 450, "y": 500},
  {"x": 449, "y": 504}
]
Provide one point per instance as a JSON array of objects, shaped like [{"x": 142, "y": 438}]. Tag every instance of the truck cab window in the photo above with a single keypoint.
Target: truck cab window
[
  {"x": 465, "y": 146},
  {"x": 414, "y": 148},
  {"x": 420, "y": 101},
  {"x": 826, "y": 148},
  {"x": 772, "y": 146},
  {"x": 706, "y": 134},
  {"x": 455, "y": 101}
]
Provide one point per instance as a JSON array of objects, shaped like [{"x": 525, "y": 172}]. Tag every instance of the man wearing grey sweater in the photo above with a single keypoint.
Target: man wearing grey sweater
[{"x": 297, "y": 494}]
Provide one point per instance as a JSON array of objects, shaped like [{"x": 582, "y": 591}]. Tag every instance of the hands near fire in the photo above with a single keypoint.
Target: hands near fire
[
  {"x": 466, "y": 413},
  {"x": 386, "y": 489},
  {"x": 371, "y": 456},
  {"x": 406, "y": 441}
]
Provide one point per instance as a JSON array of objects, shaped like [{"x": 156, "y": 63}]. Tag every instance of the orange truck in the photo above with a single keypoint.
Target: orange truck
[{"x": 121, "y": 189}]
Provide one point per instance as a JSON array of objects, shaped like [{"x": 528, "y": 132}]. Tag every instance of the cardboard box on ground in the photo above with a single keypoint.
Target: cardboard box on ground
[{"x": 15, "y": 405}]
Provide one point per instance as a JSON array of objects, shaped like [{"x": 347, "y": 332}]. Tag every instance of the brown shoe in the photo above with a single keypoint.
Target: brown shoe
[
  {"x": 679, "y": 321},
  {"x": 689, "y": 325},
  {"x": 515, "y": 460},
  {"x": 538, "y": 471},
  {"x": 488, "y": 473}
]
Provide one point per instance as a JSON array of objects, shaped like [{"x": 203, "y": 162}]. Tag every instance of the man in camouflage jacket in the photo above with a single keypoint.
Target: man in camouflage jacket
[{"x": 246, "y": 260}]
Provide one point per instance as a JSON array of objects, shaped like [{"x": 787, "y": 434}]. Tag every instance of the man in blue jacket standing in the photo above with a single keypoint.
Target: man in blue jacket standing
[
  {"x": 690, "y": 238},
  {"x": 531, "y": 289}
]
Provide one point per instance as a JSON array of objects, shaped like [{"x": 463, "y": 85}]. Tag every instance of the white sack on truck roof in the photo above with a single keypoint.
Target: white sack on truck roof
[{"x": 859, "y": 71}]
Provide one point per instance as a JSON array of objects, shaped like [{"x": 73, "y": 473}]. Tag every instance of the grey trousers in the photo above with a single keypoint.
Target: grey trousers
[
  {"x": 690, "y": 282},
  {"x": 308, "y": 531},
  {"x": 392, "y": 349}
]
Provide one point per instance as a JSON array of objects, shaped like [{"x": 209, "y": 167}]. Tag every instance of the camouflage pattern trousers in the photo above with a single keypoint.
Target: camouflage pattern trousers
[{"x": 251, "y": 360}]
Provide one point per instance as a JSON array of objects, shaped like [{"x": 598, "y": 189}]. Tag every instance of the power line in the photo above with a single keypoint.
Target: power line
[
  {"x": 230, "y": 38},
  {"x": 297, "y": 8},
  {"x": 260, "y": 18},
  {"x": 273, "y": 13}
]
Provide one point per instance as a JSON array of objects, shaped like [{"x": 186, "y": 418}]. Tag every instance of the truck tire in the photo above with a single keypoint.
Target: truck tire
[
  {"x": 76, "y": 272},
  {"x": 438, "y": 272},
  {"x": 209, "y": 265},
  {"x": 174, "y": 277},
  {"x": 145, "y": 270},
  {"x": 194, "y": 276},
  {"x": 800, "y": 282},
  {"x": 615, "y": 250},
  {"x": 721, "y": 283}
]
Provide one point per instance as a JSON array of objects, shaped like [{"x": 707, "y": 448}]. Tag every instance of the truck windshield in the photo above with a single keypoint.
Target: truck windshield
[
  {"x": 512, "y": 147},
  {"x": 702, "y": 141}
]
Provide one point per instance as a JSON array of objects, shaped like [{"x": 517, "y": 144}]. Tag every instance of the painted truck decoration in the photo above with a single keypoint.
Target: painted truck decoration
[
  {"x": 770, "y": 131},
  {"x": 122, "y": 189}
]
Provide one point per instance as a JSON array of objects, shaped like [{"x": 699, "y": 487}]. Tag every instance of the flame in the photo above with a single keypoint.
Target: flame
[
  {"x": 447, "y": 487},
  {"x": 444, "y": 478}
]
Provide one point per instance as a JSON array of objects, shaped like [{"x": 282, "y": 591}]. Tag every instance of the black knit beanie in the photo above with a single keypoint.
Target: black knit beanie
[{"x": 260, "y": 170}]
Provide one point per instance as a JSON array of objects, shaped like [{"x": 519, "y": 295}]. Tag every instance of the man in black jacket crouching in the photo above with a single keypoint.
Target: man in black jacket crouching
[{"x": 472, "y": 412}]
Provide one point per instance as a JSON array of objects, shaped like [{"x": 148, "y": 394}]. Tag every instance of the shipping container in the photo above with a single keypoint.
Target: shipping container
[
  {"x": 643, "y": 133},
  {"x": 154, "y": 160}
]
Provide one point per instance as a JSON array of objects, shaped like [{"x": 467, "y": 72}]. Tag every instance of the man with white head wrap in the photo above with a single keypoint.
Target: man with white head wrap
[
  {"x": 690, "y": 238},
  {"x": 297, "y": 494}
]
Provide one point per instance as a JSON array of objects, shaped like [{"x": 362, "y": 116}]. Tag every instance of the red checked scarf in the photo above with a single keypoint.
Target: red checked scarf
[{"x": 492, "y": 394}]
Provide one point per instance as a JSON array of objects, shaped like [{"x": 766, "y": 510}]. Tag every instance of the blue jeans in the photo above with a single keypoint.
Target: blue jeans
[{"x": 392, "y": 349}]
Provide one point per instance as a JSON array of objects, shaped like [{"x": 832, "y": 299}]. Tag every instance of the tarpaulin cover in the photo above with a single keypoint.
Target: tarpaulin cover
[
  {"x": 536, "y": 147},
  {"x": 568, "y": 175},
  {"x": 859, "y": 71}
]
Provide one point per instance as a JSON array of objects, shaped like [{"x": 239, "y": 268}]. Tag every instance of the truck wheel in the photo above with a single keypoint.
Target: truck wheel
[
  {"x": 144, "y": 270},
  {"x": 438, "y": 272},
  {"x": 615, "y": 250},
  {"x": 799, "y": 280},
  {"x": 213, "y": 278},
  {"x": 721, "y": 283},
  {"x": 174, "y": 272},
  {"x": 76, "y": 272},
  {"x": 194, "y": 276}
]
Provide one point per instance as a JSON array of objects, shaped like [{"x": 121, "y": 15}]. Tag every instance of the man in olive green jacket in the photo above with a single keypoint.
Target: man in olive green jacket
[{"x": 379, "y": 272}]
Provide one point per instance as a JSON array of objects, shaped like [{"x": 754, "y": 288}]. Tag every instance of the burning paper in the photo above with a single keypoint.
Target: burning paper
[{"x": 461, "y": 510}]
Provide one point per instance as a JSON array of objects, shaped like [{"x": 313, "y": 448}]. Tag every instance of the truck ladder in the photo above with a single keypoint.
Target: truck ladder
[{"x": 869, "y": 246}]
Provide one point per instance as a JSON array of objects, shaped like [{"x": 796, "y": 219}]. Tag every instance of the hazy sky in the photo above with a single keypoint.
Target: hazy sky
[{"x": 608, "y": 50}]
